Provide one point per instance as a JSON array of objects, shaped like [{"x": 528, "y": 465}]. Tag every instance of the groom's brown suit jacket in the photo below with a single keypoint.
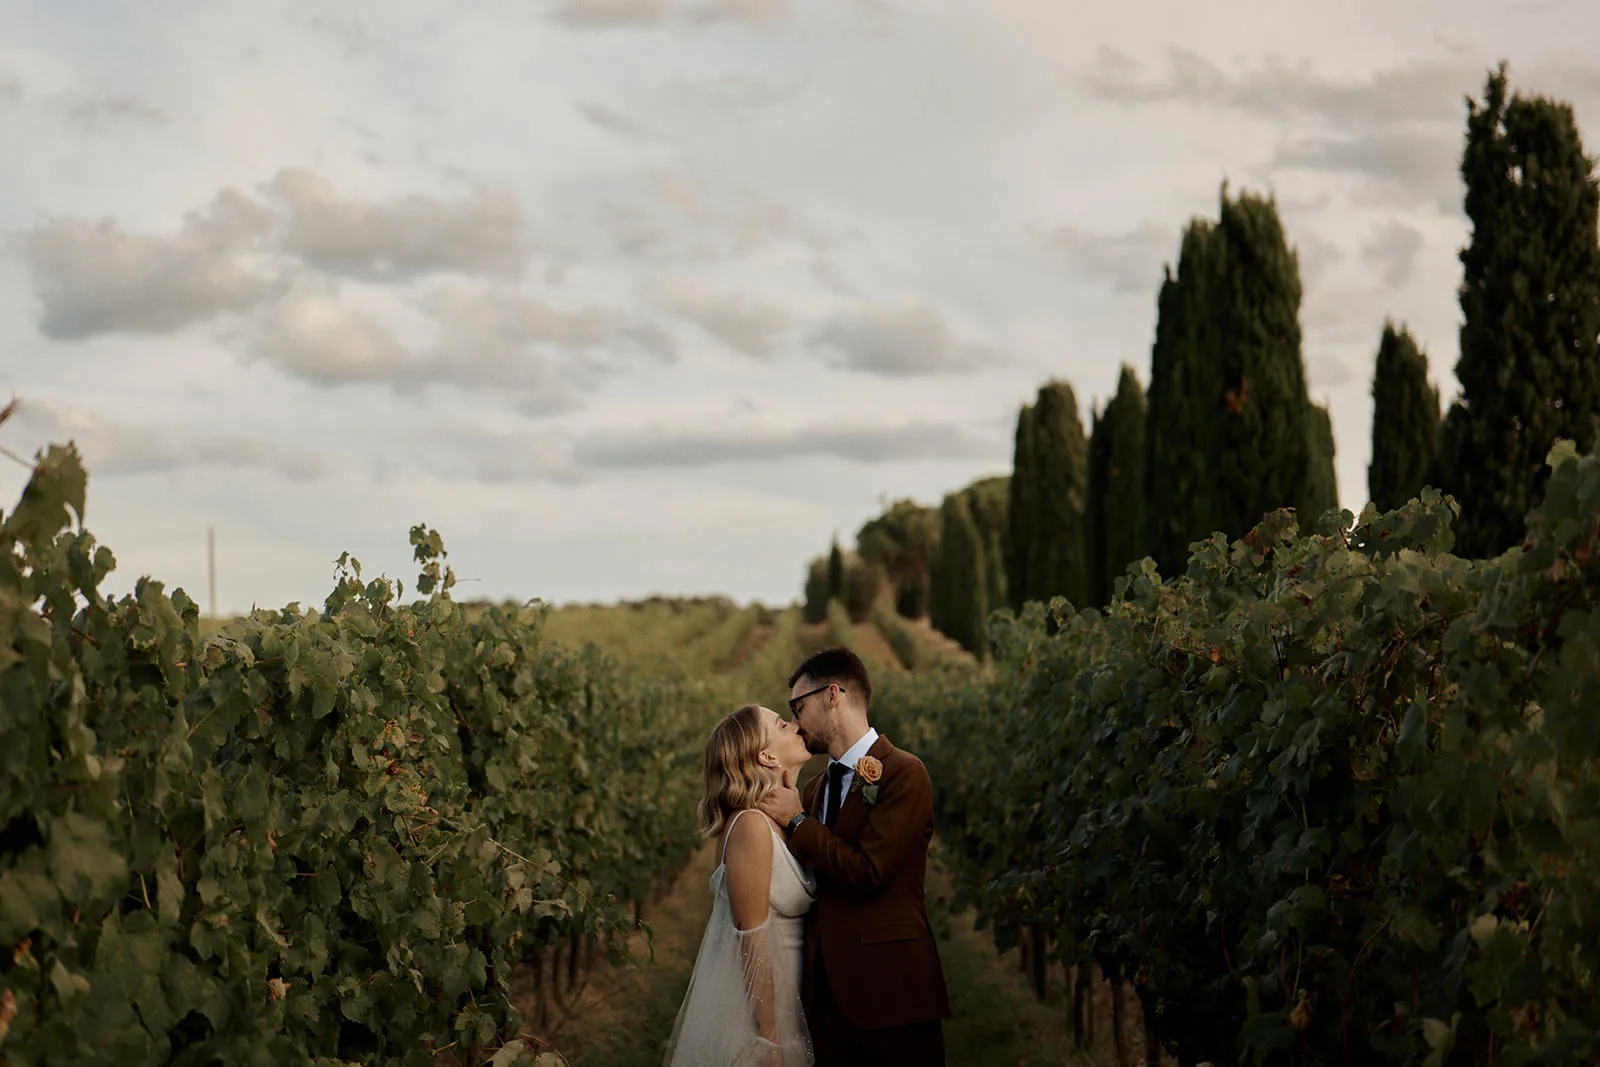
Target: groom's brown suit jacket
[{"x": 870, "y": 924}]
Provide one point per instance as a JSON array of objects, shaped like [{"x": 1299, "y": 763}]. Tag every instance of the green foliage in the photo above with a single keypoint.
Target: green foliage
[
  {"x": 907, "y": 649},
  {"x": 903, "y": 541},
  {"x": 1021, "y": 511},
  {"x": 1230, "y": 425},
  {"x": 1254, "y": 304},
  {"x": 836, "y": 571},
  {"x": 1117, "y": 525},
  {"x": 1044, "y": 550},
  {"x": 1530, "y": 302},
  {"x": 817, "y": 589},
  {"x": 1326, "y": 799},
  {"x": 1320, "y": 492},
  {"x": 1405, "y": 420},
  {"x": 838, "y": 623},
  {"x": 1182, "y": 496},
  {"x": 960, "y": 577},
  {"x": 864, "y": 582},
  {"x": 969, "y": 575},
  {"x": 988, "y": 500},
  {"x": 320, "y": 835}
]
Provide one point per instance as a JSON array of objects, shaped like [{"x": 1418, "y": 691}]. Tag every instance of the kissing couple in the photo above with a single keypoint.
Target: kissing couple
[{"x": 818, "y": 949}]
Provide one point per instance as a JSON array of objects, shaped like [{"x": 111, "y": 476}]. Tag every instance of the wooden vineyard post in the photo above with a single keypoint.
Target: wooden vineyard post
[
  {"x": 541, "y": 1011},
  {"x": 1082, "y": 1004},
  {"x": 1038, "y": 963},
  {"x": 1119, "y": 1018},
  {"x": 574, "y": 963}
]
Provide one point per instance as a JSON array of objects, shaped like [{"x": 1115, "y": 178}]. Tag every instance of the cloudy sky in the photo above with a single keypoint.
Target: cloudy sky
[{"x": 633, "y": 296}]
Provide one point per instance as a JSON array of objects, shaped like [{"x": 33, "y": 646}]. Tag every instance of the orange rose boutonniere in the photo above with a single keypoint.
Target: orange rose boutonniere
[{"x": 868, "y": 770}]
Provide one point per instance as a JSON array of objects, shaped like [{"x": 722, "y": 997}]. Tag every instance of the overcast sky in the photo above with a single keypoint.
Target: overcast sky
[{"x": 634, "y": 296}]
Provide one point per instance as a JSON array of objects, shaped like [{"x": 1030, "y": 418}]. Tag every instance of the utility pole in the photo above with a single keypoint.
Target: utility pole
[{"x": 211, "y": 566}]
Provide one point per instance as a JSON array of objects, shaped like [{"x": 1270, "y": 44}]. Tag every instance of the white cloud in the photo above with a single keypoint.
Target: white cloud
[
  {"x": 94, "y": 277},
  {"x": 313, "y": 334},
  {"x": 95, "y": 113},
  {"x": 113, "y": 448},
  {"x": 695, "y": 446},
  {"x": 1393, "y": 251},
  {"x": 749, "y": 326},
  {"x": 901, "y": 339},
  {"x": 404, "y": 237},
  {"x": 1129, "y": 261}
]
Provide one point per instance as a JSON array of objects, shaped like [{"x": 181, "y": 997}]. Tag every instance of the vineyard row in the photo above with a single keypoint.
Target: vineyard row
[
  {"x": 320, "y": 835},
  {"x": 1321, "y": 799}
]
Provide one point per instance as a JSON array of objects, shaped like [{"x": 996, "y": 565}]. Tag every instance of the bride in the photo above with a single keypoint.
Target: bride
[{"x": 743, "y": 1003}]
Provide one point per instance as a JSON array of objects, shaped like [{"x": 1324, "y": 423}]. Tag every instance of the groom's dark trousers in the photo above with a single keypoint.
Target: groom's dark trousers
[{"x": 873, "y": 988}]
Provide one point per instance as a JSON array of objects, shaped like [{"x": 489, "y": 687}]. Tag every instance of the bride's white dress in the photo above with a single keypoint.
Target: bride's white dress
[{"x": 716, "y": 1026}]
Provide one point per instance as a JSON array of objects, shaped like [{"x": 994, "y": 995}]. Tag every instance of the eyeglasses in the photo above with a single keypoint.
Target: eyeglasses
[{"x": 795, "y": 702}]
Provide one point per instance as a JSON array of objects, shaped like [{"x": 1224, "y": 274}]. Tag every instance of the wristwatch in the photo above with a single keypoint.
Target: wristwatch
[{"x": 799, "y": 818}]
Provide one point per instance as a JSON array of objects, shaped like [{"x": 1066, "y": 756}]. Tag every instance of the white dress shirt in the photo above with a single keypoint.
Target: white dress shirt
[{"x": 855, "y": 752}]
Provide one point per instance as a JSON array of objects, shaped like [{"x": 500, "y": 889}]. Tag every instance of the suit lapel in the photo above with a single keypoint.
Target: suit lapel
[{"x": 853, "y": 812}]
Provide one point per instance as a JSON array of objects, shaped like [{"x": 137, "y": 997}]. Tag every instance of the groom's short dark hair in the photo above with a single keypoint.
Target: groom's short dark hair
[{"x": 836, "y": 665}]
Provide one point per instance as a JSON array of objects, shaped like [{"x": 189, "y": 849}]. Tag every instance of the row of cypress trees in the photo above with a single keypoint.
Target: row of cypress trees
[{"x": 1228, "y": 432}]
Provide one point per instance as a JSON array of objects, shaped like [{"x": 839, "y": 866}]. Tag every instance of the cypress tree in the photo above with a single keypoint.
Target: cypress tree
[
  {"x": 1022, "y": 494},
  {"x": 988, "y": 503},
  {"x": 1320, "y": 492},
  {"x": 1181, "y": 490},
  {"x": 816, "y": 591},
  {"x": 1530, "y": 301},
  {"x": 1263, "y": 438},
  {"x": 1405, "y": 420},
  {"x": 835, "y": 572},
  {"x": 1057, "y": 564},
  {"x": 968, "y": 572},
  {"x": 902, "y": 541},
  {"x": 1117, "y": 526},
  {"x": 960, "y": 576},
  {"x": 1095, "y": 537}
]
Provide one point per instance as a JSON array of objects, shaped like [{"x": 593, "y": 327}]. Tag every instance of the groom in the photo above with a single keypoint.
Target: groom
[{"x": 872, "y": 986}]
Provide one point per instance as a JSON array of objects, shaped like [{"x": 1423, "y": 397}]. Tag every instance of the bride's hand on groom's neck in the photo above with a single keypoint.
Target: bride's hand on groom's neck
[{"x": 783, "y": 803}]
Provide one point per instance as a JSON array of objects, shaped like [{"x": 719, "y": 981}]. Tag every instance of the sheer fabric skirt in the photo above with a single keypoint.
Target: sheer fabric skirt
[{"x": 741, "y": 978}]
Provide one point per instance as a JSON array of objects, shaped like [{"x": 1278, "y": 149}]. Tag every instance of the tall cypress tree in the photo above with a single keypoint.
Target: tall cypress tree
[
  {"x": 1530, "y": 300},
  {"x": 968, "y": 574},
  {"x": 962, "y": 592},
  {"x": 1099, "y": 462},
  {"x": 1020, "y": 512},
  {"x": 1405, "y": 420},
  {"x": 1057, "y": 563},
  {"x": 988, "y": 503},
  {"x": 1319, "y": 493},
  {"x": 835, "y": 572},
  {"x": 1263, "y": 436},
  {"x": 1181, "y": 489},
  {"x": 1117, "y": 526}
]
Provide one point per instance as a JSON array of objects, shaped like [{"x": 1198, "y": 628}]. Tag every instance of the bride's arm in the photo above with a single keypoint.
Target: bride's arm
[{"x": 749, "y": 881}]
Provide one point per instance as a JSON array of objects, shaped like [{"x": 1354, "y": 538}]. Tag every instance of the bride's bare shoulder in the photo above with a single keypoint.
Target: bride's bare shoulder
[{"x": 750, "y": 835}]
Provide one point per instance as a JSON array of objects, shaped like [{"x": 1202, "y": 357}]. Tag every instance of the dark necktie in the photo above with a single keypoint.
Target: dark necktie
[{"x": 836, "y": 773}]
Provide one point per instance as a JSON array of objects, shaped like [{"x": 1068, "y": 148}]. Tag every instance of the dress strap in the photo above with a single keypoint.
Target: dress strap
[{"x": 729, "y": 833}]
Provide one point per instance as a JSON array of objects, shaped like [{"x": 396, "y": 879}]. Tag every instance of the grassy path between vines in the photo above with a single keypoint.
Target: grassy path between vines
[{"x": 625, "y": 1015}]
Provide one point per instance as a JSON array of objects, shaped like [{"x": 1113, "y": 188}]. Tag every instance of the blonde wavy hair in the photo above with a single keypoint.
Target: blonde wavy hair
[{"x": 734, "y": 776}]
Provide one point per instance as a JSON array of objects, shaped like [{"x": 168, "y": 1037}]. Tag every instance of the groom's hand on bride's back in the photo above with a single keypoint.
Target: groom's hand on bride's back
[{"x": 783, "y": 803}]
